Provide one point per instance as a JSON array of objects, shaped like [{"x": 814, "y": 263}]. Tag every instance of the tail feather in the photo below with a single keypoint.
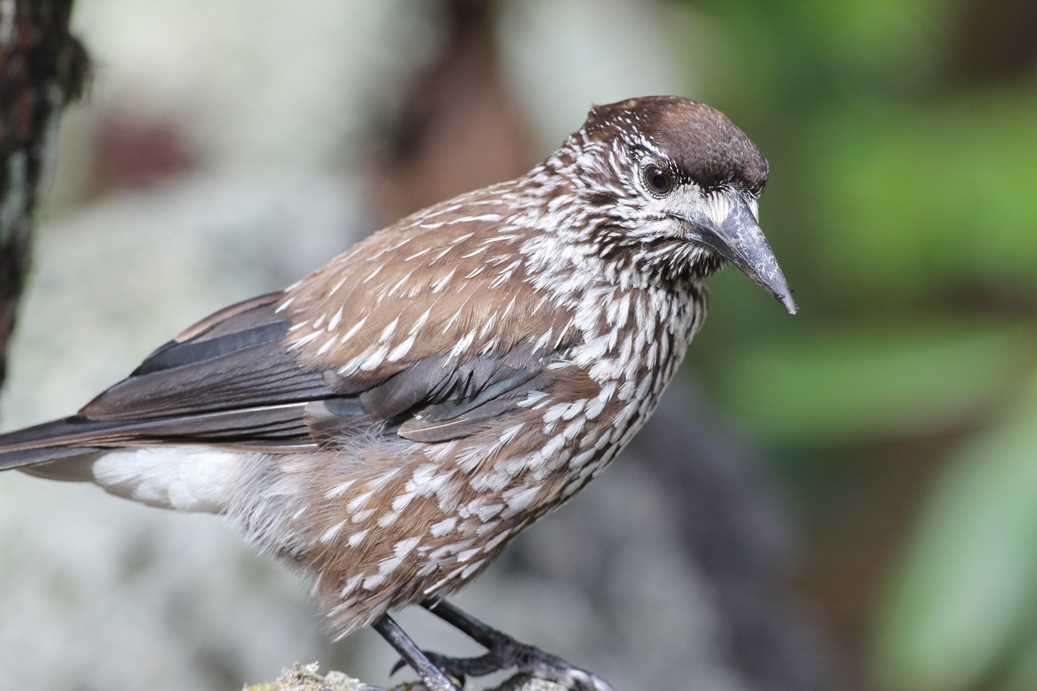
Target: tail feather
[
  {"x": 50, "y": 441},
  {"x": 11, "y": 460},
  {"x": 273, "y": 428},
  {"x": 143, "y": 460}
]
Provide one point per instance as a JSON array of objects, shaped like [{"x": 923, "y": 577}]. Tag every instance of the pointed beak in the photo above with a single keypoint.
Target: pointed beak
[{"x": 731, "y": 230}]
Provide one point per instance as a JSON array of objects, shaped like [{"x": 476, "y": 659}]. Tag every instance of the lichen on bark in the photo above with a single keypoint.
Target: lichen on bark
[{"x": 308, "y": 678}]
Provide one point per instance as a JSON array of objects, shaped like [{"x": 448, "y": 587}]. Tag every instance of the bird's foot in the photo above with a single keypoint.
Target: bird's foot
[
  {"x": 431, "y": 675},
  {"x": 506, "y": 654}
]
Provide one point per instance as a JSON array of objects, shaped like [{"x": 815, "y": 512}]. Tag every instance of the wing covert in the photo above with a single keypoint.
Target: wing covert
[{"x": 230, "y": 380}]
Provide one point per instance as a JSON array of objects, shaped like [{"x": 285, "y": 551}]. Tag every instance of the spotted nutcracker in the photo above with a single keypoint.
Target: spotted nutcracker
[{"x": 390, "y": 422}]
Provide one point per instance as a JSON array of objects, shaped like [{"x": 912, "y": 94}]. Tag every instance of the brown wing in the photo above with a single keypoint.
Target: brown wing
[
  {"x": 414, "y": 331},
  {"x": 230, "y": 381}
]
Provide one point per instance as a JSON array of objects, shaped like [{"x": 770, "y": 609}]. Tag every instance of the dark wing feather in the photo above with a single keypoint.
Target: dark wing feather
[
  {"x": 439, "y": 400},
  {"x": 230, "y": 381},
  {"x": 232, "y": 360}
]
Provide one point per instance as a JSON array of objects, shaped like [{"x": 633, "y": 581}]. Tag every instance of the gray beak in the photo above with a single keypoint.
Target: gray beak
[{"x": 738, "y": 238}]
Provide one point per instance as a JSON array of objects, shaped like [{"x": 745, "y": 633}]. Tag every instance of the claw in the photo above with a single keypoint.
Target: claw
[
  {"x": 524, "y": 659},
  {"x": 400, "y": 664},
  {"x": 541, "y": 665},
  {"x": 505, "y": 653},
  {"x": 433, "y": 678},
  {"x": 454, "y": 667}
]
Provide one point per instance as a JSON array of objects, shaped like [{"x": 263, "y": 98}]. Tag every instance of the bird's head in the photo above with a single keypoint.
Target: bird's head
[{"x": 675, "y": 187}]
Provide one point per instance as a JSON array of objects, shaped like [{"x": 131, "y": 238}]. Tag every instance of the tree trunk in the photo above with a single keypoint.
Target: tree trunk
[{"x": 42, "y": 69}]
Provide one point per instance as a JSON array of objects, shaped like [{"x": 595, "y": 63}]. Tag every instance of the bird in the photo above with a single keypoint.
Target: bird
[{"x": 389, "y": 423}]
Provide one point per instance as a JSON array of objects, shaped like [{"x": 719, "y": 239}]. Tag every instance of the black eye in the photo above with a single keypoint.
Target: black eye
[{"x": 659, "y": 182}]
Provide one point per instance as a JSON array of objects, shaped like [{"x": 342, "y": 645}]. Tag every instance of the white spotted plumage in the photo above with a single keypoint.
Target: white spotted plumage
[
  {"x": 390, "y": 422},
  {"x": 577, "y": 267}
]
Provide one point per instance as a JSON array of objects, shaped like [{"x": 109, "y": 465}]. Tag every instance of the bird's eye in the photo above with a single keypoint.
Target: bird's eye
[{"x": 659, "y": 182}]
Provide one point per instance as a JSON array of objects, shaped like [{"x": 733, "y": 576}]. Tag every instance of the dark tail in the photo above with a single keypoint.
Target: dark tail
[
  {"x": 49, "y": 442},
  {"x": 260, "y": 428}
]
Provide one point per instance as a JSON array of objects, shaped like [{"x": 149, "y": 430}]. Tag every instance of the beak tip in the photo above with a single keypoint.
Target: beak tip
[
  {"x": 739, "y": 239},
  {"x": 789, "y": 303}
]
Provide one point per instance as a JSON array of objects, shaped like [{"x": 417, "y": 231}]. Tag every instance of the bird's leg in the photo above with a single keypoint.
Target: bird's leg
[
  {"x": 504, "y": 652},
  {"x": 430, "y": 674}
]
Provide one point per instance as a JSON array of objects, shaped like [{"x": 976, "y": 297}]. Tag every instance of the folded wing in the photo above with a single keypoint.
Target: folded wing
[{"x": 230, "y": 381}]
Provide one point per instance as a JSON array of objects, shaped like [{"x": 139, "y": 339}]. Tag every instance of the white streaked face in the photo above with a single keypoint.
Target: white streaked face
[
  {"x": 672, "y": 202},
  {"x": 686, "y": 226},
  {"x": 672, "y": 186}
]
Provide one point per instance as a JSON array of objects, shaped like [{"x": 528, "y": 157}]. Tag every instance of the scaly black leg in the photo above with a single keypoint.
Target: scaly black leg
[
  {"x": 430, "y": 674},
  {"x": 507, "y": 653}
]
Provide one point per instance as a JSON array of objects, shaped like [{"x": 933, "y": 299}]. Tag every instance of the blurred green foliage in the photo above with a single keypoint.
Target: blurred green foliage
[
  {"x": 864, "y": 384},
  {"x": 901, "y": 205},
  {"x": 963, "y": 598},
  {"x": 938, "y": 196}
]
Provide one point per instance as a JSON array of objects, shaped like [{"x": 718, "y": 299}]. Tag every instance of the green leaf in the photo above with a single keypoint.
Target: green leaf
[
  {"x": 877, "y": 381},
  {"x": 963, "y": 592},
  {"x": 908, "y": 198}
]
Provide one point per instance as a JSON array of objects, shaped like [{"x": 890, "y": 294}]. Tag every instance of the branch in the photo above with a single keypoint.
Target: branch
[{"x": 308, "y": 678}]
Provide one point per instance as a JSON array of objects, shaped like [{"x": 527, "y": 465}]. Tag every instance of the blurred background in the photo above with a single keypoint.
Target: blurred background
[{"x": 844, "y": 500}]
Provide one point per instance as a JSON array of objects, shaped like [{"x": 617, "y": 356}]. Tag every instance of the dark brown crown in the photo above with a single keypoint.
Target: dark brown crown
[{"x": 701, "y": 141}]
